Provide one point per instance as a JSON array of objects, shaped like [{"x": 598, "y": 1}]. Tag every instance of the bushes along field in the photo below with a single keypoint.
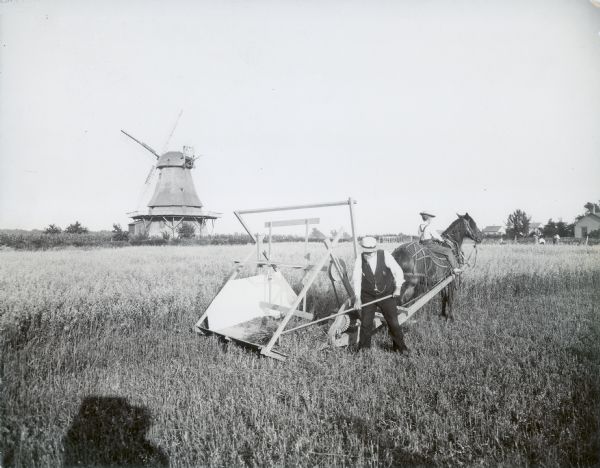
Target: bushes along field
[
  {"x": 37, "y": 240},
  {"x": 513, "y": 381}
]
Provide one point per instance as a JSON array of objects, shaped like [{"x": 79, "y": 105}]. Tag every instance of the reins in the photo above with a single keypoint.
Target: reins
[{"x": 467, "y": 262}]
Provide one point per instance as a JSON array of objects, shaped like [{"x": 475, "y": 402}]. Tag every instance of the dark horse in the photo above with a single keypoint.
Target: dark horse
[{"x": 423, "y": 269}]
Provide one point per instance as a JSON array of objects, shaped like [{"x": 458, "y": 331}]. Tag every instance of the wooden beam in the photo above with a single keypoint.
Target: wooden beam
[
  {"x": 405, "y": 313},
  {"x": 237, "y": 215},
  {"x": 178, "y": 222},
  {"x": 292, "y": 222},
  {"x": 270, "y": 241},
  {"x": 294, "y": 207},
  {"x": 351, "y": 204},
  {"x": 259, "y": 241},
  {"x": 278, "y": 264},
  {"x": 280, "y": 308},
  {"x": 307, "y": 257},
  {"x": 271, "y": 353}
]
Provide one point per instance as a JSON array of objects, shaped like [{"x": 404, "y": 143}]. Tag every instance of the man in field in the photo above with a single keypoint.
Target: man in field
[
  {"x": 429, "y": 237},
  {"x": 376, "y": 275}
]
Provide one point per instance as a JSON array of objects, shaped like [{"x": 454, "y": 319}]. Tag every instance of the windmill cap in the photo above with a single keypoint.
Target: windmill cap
[
  {"x": 368, "y": 243},
  {"x": 427, "y": 213},
  {"x": 171, "y": 159}
]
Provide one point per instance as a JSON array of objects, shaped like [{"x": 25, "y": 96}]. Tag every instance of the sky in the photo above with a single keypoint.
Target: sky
[{"x": 451, "y": 107}]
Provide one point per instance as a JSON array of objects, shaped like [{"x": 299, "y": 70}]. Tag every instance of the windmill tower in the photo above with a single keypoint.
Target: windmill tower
[{"x": 175, "y": 201}]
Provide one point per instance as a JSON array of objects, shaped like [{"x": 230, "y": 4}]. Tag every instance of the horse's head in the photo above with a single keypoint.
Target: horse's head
[
  {"x": 464, "y": 226},
  {"x": 471, "y": 229}
]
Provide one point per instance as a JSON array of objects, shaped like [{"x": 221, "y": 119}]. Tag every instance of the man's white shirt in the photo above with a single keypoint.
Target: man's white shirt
[
  {"x": 426, "y": 232},
  {"x": 389, "y": 261}
]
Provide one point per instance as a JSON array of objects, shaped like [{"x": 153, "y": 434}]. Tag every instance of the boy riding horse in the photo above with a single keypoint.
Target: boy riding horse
[{"x": 433, "y": 241}]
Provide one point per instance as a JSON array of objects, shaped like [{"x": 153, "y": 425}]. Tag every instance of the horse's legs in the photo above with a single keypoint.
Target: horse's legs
[
  {"x": 447, "y": 299},
  {"x": 444, "y": 297},
  {"x": 447, "y": 302}
]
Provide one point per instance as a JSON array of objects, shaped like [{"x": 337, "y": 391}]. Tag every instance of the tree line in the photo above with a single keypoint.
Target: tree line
[{"x": 78, "y": 235}]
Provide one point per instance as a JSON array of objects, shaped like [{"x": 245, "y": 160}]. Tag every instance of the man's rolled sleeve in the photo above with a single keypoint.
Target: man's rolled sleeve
[{"x": 392, "y": 264}]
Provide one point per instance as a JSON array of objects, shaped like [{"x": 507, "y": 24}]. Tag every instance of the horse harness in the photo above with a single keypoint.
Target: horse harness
[{"x": 422, "y": 253}]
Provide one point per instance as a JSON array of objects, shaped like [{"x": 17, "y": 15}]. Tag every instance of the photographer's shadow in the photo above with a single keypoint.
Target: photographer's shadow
[{"x": 110, "y": 431}]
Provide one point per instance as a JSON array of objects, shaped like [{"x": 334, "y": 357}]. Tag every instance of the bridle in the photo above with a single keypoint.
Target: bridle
[{"x": 458, "y": 251}]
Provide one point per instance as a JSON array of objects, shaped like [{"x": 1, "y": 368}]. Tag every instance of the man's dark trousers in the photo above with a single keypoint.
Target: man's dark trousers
[
  {"x": 440, "y": 249},
  {"x": 388, "y": 309}
]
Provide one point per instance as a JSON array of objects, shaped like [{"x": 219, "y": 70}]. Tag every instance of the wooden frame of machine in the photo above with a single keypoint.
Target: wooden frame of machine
[
  {"x": 263, "y": 259},
  {"x": 296, "y": 304}
]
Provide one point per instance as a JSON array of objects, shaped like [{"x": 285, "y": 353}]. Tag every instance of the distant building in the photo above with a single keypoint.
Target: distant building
[
  {"x": 587, "y": 224},
  {"x": 494, "y": 231}
]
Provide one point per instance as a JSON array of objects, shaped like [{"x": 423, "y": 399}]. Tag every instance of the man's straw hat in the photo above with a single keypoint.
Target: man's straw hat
[
  {"x": 427, "y": 213},
  {"x": 369, "y": 244}
]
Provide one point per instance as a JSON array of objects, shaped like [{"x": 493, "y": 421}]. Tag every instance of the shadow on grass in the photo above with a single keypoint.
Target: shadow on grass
[
  {"x": 110, "y": 431},
  {"x": 390, "y": 454}
]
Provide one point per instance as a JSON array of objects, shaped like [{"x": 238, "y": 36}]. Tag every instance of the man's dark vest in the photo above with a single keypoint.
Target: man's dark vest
[{"x": 380, "y": 282}]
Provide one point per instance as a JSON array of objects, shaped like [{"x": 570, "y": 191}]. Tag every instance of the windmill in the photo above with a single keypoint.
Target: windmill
[{"x": 174, "y": 201}]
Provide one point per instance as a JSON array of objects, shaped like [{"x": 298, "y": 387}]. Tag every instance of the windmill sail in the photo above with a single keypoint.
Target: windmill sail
[{"x": 142, "y": 143}]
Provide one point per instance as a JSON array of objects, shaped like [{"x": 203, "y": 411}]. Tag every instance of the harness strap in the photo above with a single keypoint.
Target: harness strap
[{"x": 476, "y": 250}]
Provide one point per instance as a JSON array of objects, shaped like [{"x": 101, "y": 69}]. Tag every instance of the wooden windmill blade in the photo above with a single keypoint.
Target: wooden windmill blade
[
  {"x": 165, "y": 146},
  {"x": 144, "y": 192},
  {"x": 150, "y": 174},
  {"x": 142, "y": 144}
]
